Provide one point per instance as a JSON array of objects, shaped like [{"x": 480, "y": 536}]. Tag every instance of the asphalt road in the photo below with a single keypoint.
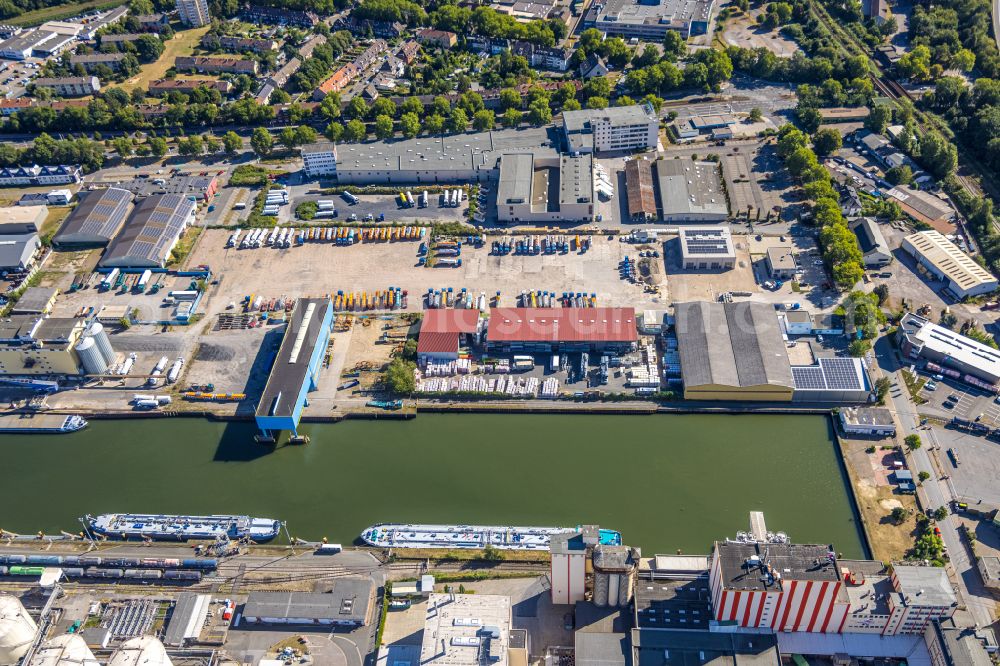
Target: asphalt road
[{"x": 935, "y": 491}]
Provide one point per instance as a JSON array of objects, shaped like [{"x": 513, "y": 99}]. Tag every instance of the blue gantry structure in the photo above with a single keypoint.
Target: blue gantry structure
[{"x": 296, "y": 368}]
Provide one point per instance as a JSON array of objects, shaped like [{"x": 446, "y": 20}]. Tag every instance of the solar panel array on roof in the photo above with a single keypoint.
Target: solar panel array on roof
[
  {"x": 706, "y": 246},
  {"x": 150, "y": 233},
  {"x": 837, "y": 374},
  {"x": 97, "y": 218}
]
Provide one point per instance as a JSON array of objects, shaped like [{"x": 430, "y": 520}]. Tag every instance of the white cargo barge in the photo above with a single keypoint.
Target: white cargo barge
[{"x": 398, "y": 535}]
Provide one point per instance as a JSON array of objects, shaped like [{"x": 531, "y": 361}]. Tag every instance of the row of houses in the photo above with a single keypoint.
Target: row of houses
[
  {"x": 545, "y": 57},
  {"x": 238, "y": 44},
  {"x": 40, "y": 175},
  {"x": 210, "y": 65},
  {"x": 344, "y": 75}
]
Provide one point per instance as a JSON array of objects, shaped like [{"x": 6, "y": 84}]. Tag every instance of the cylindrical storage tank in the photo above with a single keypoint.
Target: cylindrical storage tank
[
  {"x": 100, "y": 336},
  {"x": 90, "y": 357},
  {"x": 624, "y": 589},
  {"x": 600, "y": 589},
  {"x": 17, "y": 630},
  {"x": 141, "y": 651},
  {"x": 64, "y": 650}
]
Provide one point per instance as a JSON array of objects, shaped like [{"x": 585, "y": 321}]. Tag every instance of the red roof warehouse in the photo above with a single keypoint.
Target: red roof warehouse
[
  {"x": 544, "y": 329},
  {"x": 441, "y": 330}
]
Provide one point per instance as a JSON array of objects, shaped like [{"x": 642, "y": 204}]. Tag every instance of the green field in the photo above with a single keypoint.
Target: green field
[
  {"x": 60, "y": 12},
  {"x": 183, "y": 43}
]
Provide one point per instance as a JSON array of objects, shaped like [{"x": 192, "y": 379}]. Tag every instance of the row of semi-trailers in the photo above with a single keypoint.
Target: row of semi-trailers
[
  {"x": 283, "y": 237},
  {"x": 451, "y": 198}
]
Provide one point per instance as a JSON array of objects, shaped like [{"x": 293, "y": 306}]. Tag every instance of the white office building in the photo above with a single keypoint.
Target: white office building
[
  {"x": 320, "y": 159},
  {"x": 620, "y": 128}
]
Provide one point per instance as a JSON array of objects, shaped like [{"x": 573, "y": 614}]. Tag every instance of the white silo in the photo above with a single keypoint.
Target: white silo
[
  {"x": 90, "y": 357},
  {"x": 141, "y": 651},
  {"x": 64, "y": 650},
  {"x": 17, "y": 630},
  {"x": 100, "y": 336}
]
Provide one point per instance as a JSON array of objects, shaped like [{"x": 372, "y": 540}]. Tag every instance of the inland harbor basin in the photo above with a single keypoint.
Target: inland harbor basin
[{"x": 697, "y": 476}]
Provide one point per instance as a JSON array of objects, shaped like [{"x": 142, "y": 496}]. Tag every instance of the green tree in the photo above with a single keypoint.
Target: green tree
[
  {"x": 261, "y": 142},
  {"x": 923, "y": 476},
  {"x": 827, "y": 141},
  {"x": 334, "y": 131},
  {"x": 901, "y": 175},
  {"x": 484, "y": 120},
  {"x": 384, "y": 127},
  {"x": 398, "y": 377},
  {"x": 539, "y": 113},
  {"x": 410, "y": 124},
  {"x": 287, "y": 138},
  {"x": 912, "y": 442},
  {"x": 881, "y": 292},
  {"x": 123, "y": 146},
  {"x": 434, "y": 123},
  {"x": 232, "y": 141},
  {"x": 882, "y": 386},
  {"x": 673, "y": 45},
  {"x": 458, "y": 121},
  {"x": 158, "y": 146},
  {"x": 899, "y": 515},
  {"x": 878, "y": 119},
  {"x": 355, "y": 131},
  {"x": 512, "y": 117},
  {"x": 756, "y": 115},
  {"x": 941, "y": 512}
]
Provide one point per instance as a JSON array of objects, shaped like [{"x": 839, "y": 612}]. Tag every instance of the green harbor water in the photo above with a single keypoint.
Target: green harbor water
[{"x": 667, "y": 482}]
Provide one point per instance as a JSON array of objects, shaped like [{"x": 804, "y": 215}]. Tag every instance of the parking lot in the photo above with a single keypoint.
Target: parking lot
[
  {"x": 12, "y": 84},
  {"x": 376, "y": 205},
  {"x": 975, "y": 477}
]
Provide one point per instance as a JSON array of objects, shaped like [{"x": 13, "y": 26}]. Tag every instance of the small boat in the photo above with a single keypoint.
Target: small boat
[
  {"x": 348, "y": 384},
  {"x": 41, "y": 423},
  {"x": 386, "y": 404}
]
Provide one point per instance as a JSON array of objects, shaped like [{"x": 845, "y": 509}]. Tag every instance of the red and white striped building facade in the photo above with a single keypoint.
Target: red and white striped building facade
[
  {"x": 801, "y": 591},
  {"x": 792, "y": 587}
]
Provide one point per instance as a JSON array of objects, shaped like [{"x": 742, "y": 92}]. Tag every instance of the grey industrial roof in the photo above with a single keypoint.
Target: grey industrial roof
[
  {"x": 469, "y": 151},
  {"x": 97, "y": 217},
  {"x": 703, "y": 648},
  {"x": 97, "y": 57},
  {"x": 924, "y": 586},
  {"x": 688, "y": 187},
  {"x": 292, "y": 363},
  {"x": 792, "y": 561},
  {"x": 26, "y": 40},
  {"x": 673, "y": 603},
  {"x": 731, "y": 344},
  {"x": 35, "y": 300},
  {"x": 869, "y": 236},
  {"x": 348, "y": 602},
  {"x": 618, "y": 116},
  {"x": 180, "y": 617},
  {"x": 16, "y": 248},
  {"x": 576, "y": 179},
  {"x": 873, "y": 416},
  {"x": 150, "y": 233},
  {"x": 599, "y": 649},
  {"x": 319, "y": 147},
  {"x": 781, "y": 257},
  {"x": 514, "y": 186},
  {"x": 962, "y": 646}
]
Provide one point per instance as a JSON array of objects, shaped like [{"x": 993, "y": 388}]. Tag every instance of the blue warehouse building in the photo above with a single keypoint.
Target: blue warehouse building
[{"x": 296, "y": 368}]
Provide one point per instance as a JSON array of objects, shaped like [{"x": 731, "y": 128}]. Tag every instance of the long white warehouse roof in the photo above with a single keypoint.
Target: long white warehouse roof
[{"x": 949, "y": 259}]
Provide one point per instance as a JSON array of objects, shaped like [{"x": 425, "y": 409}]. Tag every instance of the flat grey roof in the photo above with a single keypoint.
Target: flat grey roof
[
  {"x": 97, "y": 217},
  {"x": 514, "y": 186},
  {"x": 924, "y": 586},
  {"x": 598, "y": 649},
  {"x": 34, "y": 300},
  {"x": 319, "y": 147},
  {"x": 688, "y": 187},
  {"x": 618, "y": 116},
  {"x": 781, "y": 257},
  {"x": 873, "y": 416},
  {"x": 150, "y": 232},
  {"x": 348, "y": 602},
  {"x": 673, "y": 603},
  {"x": 576, "y": 179},
  {"x": 455, "y": 152},
  {"x": 662, "y": 12},
  {"x": 731, "y": 344},
  {"x": 292, "y": 363},
  {"x": 703, "y": 648},
  {"x": 793, "y": 561}
]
